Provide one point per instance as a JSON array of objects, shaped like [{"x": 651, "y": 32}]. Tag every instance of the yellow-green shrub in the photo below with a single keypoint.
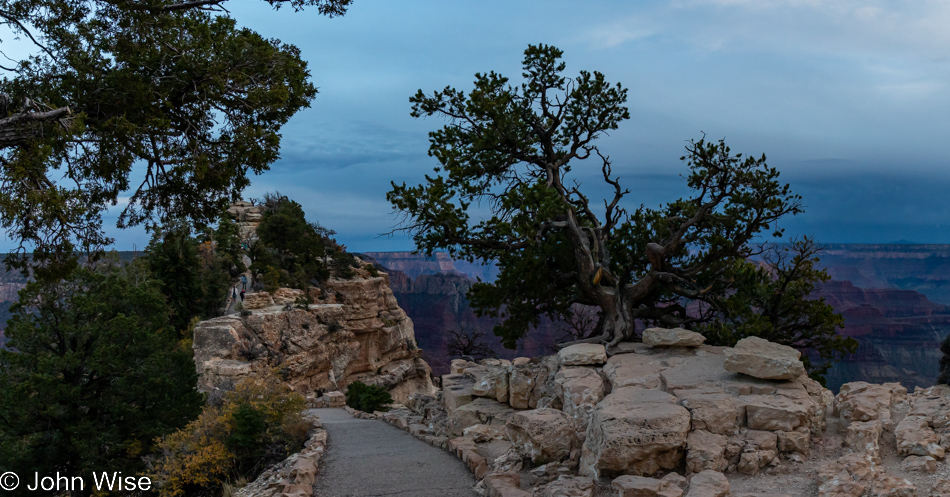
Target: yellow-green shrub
[{"x": 256, "y": 424}]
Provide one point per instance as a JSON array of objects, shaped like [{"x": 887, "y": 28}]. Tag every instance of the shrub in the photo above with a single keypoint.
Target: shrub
[
  {"x": 367, "y": 398},
  {"x": 256, "y": 424}
]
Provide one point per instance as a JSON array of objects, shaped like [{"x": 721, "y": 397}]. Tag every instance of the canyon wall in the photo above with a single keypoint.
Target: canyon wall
[{"x": 893, "y": 308}]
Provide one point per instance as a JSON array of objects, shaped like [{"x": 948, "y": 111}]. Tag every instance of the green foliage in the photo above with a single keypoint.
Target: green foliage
[
  {"x": 177, "y": 89},
  {"x": 193, "y": 275},
  {"x": 510, "y": 150},
  {"x": 775, "y": 301},
  {"x": 293, "y": 252},
  {"x": 93, "y": 374},
  {"x": 367, "y": 398},
  {"x": 944, "y": 375},
  {"x": 256, "y": 424}
]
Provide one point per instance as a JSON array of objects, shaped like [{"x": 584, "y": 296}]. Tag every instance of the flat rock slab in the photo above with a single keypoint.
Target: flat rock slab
[
  {"x": 672, "y": 337},
  {"x": 369, "y": 458},
  {"x": 583, "y": 354},
  {"x": 761, "y": 358}
]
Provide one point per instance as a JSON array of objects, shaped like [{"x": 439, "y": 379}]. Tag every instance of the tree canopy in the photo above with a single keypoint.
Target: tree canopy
[
  {"x": 166, "y": 102},
  {"x": 92, "y": 374},
  {"x": 503, "y": 192}
]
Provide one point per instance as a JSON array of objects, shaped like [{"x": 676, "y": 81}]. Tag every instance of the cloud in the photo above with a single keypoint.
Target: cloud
[{"x": 617, "y": 33}]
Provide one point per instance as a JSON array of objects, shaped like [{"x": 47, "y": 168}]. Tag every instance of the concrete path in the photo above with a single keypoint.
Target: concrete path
[{"x": 367, "y": 458}]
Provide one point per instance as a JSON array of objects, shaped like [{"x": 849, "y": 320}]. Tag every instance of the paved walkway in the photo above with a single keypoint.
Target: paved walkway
[{"x": 367, "y": 458}]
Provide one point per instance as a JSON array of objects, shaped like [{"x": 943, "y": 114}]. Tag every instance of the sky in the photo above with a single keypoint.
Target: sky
[{"x": 849, "y": 99}]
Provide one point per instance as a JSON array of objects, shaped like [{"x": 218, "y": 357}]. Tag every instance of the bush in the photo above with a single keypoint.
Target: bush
[
  {"x": 256, "y": 424},
  {"x": 367, "y": 398}
]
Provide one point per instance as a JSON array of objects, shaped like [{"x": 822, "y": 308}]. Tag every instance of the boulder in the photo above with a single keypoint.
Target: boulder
[
  {"x": 456, "y": 391},
  {"x": 864, "y": 437},
  {"x": 761, "y": 358},
  {"x": 888, "y": 485},
  {"x": 521, "y": 383},
  {"x": 775, "y": 412},
  {"x": 862, "y": 401},
  {"x": 543, "y": 435},
  {"x": 794, "y": 441},
  {"x": 579, "y": 389},
  {"x": 490, "y": 381},
  {"x": 708, "y": 483},
  {"x": 569, "y": 486},
  {"x": 505, "y": 485},
  {"x": 919, "y": 464},
  {"x": 479, "y": 411},
  {"x": 635, "y": 431},
  {"x": 705, "y": 450},
  {"x": 583, "y": 354},
  {"x": 915, "y": 437},
  {"x": 641, "y": 486},
  {"x": 759, "y": 450},
  {"x": 672, "y": 337}
]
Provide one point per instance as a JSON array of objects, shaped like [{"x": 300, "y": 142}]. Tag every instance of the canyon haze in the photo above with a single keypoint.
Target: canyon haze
[{"x": 895, "y": 299}]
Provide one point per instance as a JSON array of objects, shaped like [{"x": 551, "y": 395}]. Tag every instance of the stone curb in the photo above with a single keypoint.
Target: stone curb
[{"x": 294, "y": 476}]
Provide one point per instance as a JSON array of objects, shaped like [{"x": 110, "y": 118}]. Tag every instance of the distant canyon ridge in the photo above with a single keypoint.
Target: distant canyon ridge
[{"x": 895, "y": 299}]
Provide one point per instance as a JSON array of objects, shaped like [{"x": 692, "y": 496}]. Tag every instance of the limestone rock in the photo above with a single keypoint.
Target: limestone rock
[
  {"x": 759, "y": 450},
  {"x": 360, "y": 334},
  {"x": 705, "y": 450},
  {"x": 583, "y": 354},
  {"x": 505, "y": 485},
  {"x": 775, "y": 412},
  {"x": 761, "y": 358},
  {"x": 479, "y": 411},
  {"x": 672, "y": 337},
  {"x": 543, "y": 435},
  {"x": 334, "y": 399},
  {"x": 794, "y": 441},
  {"x": 633, "y": 370},
  {"x": 569, "y": 486},
  {"x": 941, "y": 488},
  {"x": 864, "y": 437},
  {"x": 640, "y": 486},
  {"x": 708, "y": 483},
  {"x": 635, "y": 431},
  {"x": 579, "y": 389},
  {"x": 919, "y": 464},
  {"x": 916, "y": 437},
  {"x": 892, "y": 486},
  {"x": 862, "y": 401},
  {"x": 456, "y": 391},
  {"x": 490, "y": 381},
  {"x": 713, "y": 412}
]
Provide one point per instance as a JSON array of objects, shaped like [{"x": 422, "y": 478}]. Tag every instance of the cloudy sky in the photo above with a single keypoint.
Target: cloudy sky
[{"x": 850, "y": 99}]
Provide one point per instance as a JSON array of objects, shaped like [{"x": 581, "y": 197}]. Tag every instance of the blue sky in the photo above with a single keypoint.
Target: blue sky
[{"x": 850, "y": 99}]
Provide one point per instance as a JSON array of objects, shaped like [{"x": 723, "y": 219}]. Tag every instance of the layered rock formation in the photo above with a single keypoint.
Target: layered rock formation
[
  {"x": 651, "y": 415},
  {"x": 356, "y": 331},
  {"x": 344, "y": 331}
]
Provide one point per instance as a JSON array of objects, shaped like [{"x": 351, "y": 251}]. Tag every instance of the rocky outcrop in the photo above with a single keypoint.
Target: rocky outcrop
[{"x": 355, "y": 331}]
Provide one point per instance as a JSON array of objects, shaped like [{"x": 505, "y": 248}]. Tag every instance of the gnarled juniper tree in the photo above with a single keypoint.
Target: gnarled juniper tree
[
  {"x": 511, "y": 149},
  {"x": 172, "y": 88}
]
